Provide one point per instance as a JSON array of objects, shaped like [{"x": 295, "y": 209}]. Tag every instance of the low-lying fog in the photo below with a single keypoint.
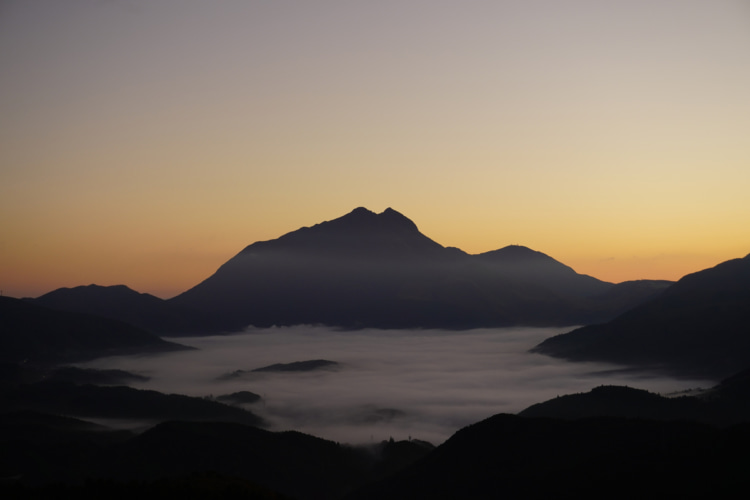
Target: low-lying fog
[{"x": 423, "y": 384}]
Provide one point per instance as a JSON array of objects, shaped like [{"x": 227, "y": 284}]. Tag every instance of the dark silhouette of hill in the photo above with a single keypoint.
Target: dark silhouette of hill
[
  {"x": 624, "y": 296},
  {"x": 193, "y": 486},
  {"x": 377, "y": 270},
  {"x": 523, "y": 265},
  {"x": 730, "y": 399},
  {"x": 361, "y": 233},
  {"x": 239, "y": 398},
  {"x": 36, "y": 334},
  {"x": 290, "y": 463},
  {"x": 299, "y": 366},
  {"x": 120, "y": 302},
  {"x": 573, "y": 455},
  {"x": 68, "y": 391},
  {"x": 120, "y": 402},
  {"x": 698, "y": 326},
  {"x": 296, "y": 366},
  {"x": 508, "y": 456},
  {"x": 618, "y": 401},
  {"x": 727, "y": 403},
  {"x": 45, "y": 428},
  {"x": 77, "y": 375},
  {"x": 12, "y": 374}
]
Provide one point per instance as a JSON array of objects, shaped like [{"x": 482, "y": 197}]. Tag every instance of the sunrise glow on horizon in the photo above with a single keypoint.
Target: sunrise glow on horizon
[{"x": 146, "y": 143}]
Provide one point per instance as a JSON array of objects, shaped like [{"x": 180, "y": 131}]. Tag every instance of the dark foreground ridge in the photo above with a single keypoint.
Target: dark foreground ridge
[
  {"x": 216, "y": 458},
  {"x": 508, "y": 456},
  {"x": 612, "y": 442}
]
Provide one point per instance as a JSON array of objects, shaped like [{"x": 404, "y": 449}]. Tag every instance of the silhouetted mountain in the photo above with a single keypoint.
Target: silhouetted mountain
[
  {"x": 626, "y": 295},
  {"x": 120, "y": 302},
  {"x": 617, "y": 401},
  {"x": 359, "y": 234},
  {"x": 377, "y": 270},
  {"x": 526, "y": 266},
  {"x": 727, "y": 403},
  {"x": 697, "y": 326},
  {"x": 367, "y": 270},
  {"x": 36, "y": 334},
  {"x": 507, "y": 456}
]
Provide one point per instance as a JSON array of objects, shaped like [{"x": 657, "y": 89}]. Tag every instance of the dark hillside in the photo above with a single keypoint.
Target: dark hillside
[
  {"x": 34, "y": 334},
  {"x": 698, "y": 326}
]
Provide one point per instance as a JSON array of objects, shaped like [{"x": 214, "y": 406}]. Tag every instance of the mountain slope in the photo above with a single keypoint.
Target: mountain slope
[
  {"x": 120, "y": 302},
  {"x": 368, "y": 270},
  {"x": 522, "y": 264},
  {"x": 617, "y": 401},
  {"x": 507, "y": 456},
  {"x": 377, "y": 270},
  {"x": 122, "y": 403},
  {"x": 293, "y": 464},
  {"x": 727, "y": 403},
  {"x": 36, "y": 334},
  {"x": 699, "y": 326}
]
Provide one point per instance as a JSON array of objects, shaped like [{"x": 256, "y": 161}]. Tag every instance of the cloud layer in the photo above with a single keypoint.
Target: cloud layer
[{"x": 423, "y": 384}]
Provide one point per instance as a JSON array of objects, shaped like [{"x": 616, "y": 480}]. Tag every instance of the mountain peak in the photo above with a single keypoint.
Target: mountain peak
[
  {"x": 361, "y": 211},
  {"x": 363, "y": 220},
  {"x": 517, "y": 254},
  {"x": 390, "y": 216},
  {"x": 91, "y": 291},
  {"x": 387, "y": 216},
  {"x": 360, "y": 232}
]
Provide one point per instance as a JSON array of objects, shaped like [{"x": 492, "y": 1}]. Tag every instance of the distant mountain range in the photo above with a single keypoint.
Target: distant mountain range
[
  {"x": 122, "y": 303},
  {"x": 34, "y": 334},
  {"x": 698, "y": 326},
  {"x": 369, "y": 270}
]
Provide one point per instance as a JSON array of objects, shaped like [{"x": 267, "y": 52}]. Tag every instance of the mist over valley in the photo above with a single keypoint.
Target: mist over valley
[{"x": 423, "y": 384}]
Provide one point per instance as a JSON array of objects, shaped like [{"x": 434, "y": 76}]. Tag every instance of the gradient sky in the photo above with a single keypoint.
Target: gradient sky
[{"x": 146, "y": 142}]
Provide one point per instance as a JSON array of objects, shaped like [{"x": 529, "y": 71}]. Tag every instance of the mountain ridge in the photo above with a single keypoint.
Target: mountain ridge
[
  {"x": 120, "y": 302},
  {"x": 358, "y": 231},
  {"x": 378, "y": 270},
  {"x": 365, "y": 269},
  {"x": 41, "y": 335},
  {"x": 697, "y": 326}
]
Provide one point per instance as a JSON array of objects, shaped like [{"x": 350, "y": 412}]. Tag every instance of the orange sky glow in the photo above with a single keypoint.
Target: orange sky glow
[{"x": 146, "y": 143}]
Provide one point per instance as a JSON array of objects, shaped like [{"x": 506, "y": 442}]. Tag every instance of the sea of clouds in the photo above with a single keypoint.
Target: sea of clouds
[{"x": 423, "y": 384}]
